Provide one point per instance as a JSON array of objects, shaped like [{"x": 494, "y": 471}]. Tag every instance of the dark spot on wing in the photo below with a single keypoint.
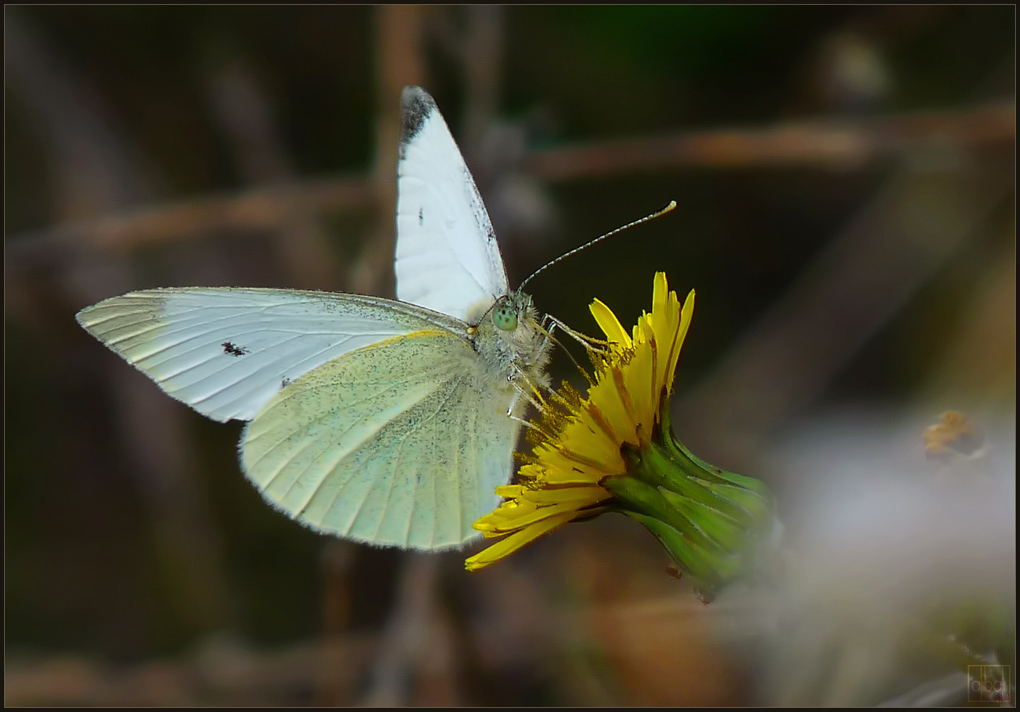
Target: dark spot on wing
[
  {"x": 234, "y": 350},
  {"x": 416, "y": 106},
  {"x": 421, "y": 216}
]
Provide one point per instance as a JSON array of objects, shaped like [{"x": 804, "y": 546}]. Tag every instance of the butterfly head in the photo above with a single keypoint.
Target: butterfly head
[
  {"x": 511, "y": 311},
  {"x": 511, "y": 340},
  {"x": 504, "y": 314}
]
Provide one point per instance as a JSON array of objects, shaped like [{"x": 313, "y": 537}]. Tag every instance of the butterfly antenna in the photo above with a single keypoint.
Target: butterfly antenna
[{"x": 585, "y": 246}]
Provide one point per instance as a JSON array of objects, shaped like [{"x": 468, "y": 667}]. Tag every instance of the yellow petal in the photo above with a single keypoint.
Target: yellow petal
[
  {"x": 504, "y": 547},
  {"x": 608, "y": 410},
  {"x": 591, "y": 452},
  {"x": 609, "y": 324},
  {"x": 578, "y": 496},
  {"x": 639, "y": 378},
  {"x": 681, "y": 333},
  {"x": 527, "y": 515},
  {"x": 660, "y": 288}
]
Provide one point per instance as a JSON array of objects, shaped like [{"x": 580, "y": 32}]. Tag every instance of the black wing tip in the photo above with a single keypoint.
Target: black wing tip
[{"x": 416, "y": 106}]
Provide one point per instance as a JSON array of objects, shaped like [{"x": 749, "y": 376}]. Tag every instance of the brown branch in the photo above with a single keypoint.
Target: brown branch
[
  {"x": 228, "y": 672},
  {"x": 826, "y": 143},
  {"x": 152, "y": 226},
  {"x": 216, "y": 675},
  {"x": 823, "y": 144}
]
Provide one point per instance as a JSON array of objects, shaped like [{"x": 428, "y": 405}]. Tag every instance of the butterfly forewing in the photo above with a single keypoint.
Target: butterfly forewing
[
  {"x": 447, "y": 258},
  {"x": 226, "y": 352}
]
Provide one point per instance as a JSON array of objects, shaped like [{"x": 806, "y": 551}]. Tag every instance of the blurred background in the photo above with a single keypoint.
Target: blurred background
[{"x": 845, "y": 181}]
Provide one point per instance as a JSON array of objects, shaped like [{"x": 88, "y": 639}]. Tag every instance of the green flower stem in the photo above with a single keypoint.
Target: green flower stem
[{"x": 708, "y": 519}]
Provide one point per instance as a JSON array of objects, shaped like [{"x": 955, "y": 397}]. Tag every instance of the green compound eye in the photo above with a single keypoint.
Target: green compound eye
[{"x": 504, "y": 317}]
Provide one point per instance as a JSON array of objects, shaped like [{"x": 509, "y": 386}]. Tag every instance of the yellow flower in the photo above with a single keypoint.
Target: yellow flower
[
  {"x": 577, "y": 449},
  {"x": 614, "y": 451}
]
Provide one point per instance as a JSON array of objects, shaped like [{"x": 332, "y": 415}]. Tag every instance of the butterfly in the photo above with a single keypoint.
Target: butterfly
[{"x": 381, "y": 421}]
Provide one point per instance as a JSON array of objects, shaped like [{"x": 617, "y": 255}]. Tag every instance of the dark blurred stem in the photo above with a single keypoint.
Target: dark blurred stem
[
  {"x": 246, "y": 115},
  {"x": 482, "y": 64},
  {"x": 399, "y": 62},
  {"x": 99, "y": 173},
  {"x": 403, "y": 642}
]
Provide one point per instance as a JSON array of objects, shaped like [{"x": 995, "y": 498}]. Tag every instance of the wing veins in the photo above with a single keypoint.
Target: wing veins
[
  {"x": 349, "y": 451},
  {"x": 403, "y": 437},
  {"x": 320, "y": 417},
  {"x": 389, "y": 491},
  {"x": 359, "y": 445},
  {"x": 281, "y": 468}
]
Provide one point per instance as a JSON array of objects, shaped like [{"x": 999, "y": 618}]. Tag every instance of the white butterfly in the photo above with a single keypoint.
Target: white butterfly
[{"x": 382, "y": 421}]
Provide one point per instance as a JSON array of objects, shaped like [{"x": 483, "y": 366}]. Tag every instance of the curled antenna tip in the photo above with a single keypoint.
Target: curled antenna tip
[
  {"x": 669, "y": 207},
  {"x": 659, "y": 213}
]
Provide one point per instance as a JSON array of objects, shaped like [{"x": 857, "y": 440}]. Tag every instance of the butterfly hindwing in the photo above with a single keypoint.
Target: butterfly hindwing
[
  {"x": 402, "y": 443},
  {"x": 447, "y": 258}
]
